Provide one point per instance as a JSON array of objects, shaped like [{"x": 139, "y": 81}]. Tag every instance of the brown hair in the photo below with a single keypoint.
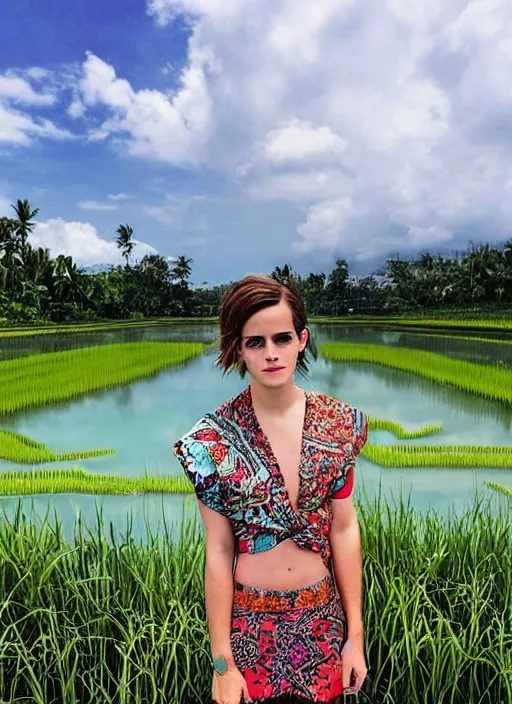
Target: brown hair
[{"x": 245, "y": 298}]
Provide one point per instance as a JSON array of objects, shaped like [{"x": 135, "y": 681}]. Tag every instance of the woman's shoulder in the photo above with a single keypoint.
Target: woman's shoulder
[
  {"x": 334, "y": 419},
  {"x": 329, "y": 405}
]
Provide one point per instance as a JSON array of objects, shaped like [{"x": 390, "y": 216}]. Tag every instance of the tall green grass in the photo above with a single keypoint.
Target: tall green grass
[
  {"x": 487, "y": 381},
  {"x": 43, "y": 379},
  {"x": 117, "y": 621},
  {"x": 500, "y": 488},
  {"x": 19, "y": 448}
]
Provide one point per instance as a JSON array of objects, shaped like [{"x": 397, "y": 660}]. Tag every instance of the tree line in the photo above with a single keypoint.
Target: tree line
[{"x": 36, "y": 287}]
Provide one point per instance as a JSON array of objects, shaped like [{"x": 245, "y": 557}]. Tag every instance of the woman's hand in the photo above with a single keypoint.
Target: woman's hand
[
  {"x": 353, "y": 665},
  {"x": 230, "y": 687}
]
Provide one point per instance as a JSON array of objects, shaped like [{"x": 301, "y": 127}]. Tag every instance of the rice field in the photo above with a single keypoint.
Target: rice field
[
  {"x": 43, "y": 379},
  {"x": 453, "y": 456},
  {"x": 476, "y": 325},
  {"x": 20, "y": 331},
  {"x": 492, "y": 382},
  {"x": 114, "y": 621},
  {"x": 77, "y": 480},
  {"x": 24, "y": 450},
  {"x": 400, "y": 432}
]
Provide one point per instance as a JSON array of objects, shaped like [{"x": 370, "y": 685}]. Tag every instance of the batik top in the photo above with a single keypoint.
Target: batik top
[{"x": 230, "y": 462}]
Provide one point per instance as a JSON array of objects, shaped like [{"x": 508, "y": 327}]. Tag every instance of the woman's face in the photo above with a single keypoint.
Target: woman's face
[{"x": 269, "y": 341}]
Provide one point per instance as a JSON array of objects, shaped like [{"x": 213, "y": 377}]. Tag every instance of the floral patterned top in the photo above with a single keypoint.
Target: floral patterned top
[{"x": 230, "y": 462}]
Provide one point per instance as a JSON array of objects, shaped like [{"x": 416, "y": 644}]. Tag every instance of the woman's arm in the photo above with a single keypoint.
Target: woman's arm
[
  {"x": 345, "y": 540},
  {"x": 228, "y": 688},
  {"x": 220, "y": 556}
]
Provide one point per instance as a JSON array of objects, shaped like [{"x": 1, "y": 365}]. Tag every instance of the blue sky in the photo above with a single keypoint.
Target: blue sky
[{"x": 247, "y": 133}]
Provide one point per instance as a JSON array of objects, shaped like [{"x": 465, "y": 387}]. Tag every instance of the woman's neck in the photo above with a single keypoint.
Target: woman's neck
[{"x": 275, "y": 401}]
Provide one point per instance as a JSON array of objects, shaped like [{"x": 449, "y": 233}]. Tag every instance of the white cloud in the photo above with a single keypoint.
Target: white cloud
[
  {"x": 19, "y": 128},
  {"x": 360, "y": 114},
  {"x": 395, "y": 112},
  {"x": 76, "y": 109},
  {"x": 325, "y": 225},
  {"x": 300, "y": 143},
  {"x": 18, "y": 90},
  {"x": 96, "y": 205},
  {"x": 147, "y": 122},
  {"x": 82, "y": 241},
  {"x": 38, "y": 73},
  {"x": 118, "y": 196},
  {"x": 181, "y": 211}
]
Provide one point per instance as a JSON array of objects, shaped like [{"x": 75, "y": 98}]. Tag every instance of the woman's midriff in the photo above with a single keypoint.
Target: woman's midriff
[{"x": 285, "y": 567}]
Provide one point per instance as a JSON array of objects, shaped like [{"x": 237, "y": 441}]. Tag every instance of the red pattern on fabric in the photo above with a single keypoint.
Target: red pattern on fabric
[
  {"x": 347, "y": 488},
  {"x": 296, "y": 650}
]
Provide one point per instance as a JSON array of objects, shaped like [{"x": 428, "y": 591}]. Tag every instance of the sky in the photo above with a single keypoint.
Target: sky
[{"x": 249, "y": 133}]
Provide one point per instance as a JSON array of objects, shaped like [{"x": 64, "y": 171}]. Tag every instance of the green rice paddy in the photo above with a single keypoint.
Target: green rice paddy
[
  {"x": 490, "y": 382},
  {"x": 454, "y": 456},
  {"x": 77, "y": 481},
  {"x": 19, "y": 331},
  {"x": 399, "y": 430},
  {"x": 19, "y": 448},
  {"x": 43, "y": 379},
  {"x": 476, "y": 325}
]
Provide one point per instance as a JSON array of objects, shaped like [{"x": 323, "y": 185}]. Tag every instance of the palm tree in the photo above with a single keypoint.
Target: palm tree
[
  {"x": 125, "y": 243},
  {"x": 24, "y": 224},
  {"x": 182, "y": 269},
  {"x": 10, "y": 257}
]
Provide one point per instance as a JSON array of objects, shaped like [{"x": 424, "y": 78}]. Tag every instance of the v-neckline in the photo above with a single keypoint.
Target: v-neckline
[{"x": 269, "y": 452}]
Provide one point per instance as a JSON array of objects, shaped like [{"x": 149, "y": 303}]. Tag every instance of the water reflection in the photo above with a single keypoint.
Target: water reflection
[
  {"x": 478, "y": 351},
  {"x": 11, "y": 347}
]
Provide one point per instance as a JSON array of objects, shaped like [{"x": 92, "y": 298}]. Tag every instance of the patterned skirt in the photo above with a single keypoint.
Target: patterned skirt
[{"x": 287, "y": 644}]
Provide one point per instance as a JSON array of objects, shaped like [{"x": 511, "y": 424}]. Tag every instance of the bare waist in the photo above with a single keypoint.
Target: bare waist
[{"x": 287, "y": 566}]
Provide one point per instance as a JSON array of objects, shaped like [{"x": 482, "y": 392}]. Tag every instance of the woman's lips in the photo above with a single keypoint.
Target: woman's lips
[{"x": 273, "y": 371}]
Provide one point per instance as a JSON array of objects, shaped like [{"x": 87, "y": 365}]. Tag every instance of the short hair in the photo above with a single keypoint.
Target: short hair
[{"x": 245, "y": 298}]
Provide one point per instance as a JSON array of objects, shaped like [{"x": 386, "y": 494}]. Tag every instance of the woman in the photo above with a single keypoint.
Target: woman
[{"x": 273, "y": 474}]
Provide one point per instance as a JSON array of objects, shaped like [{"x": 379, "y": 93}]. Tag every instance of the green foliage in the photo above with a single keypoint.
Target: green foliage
[
  {"x": 36, "y": 288},
  {"x": 122, "y": 621}
]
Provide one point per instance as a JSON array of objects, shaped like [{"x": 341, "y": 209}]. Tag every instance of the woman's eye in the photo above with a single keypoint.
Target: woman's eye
[{"x": 280, "y": 340}]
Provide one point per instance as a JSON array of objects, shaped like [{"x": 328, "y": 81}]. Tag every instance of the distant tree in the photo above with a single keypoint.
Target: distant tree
[
  {"x": 24, "y": 225},
  {"x": 125, "y": 242},
  {"x": 337, "y": 287},
  {"x": 182, "y": 270}
]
